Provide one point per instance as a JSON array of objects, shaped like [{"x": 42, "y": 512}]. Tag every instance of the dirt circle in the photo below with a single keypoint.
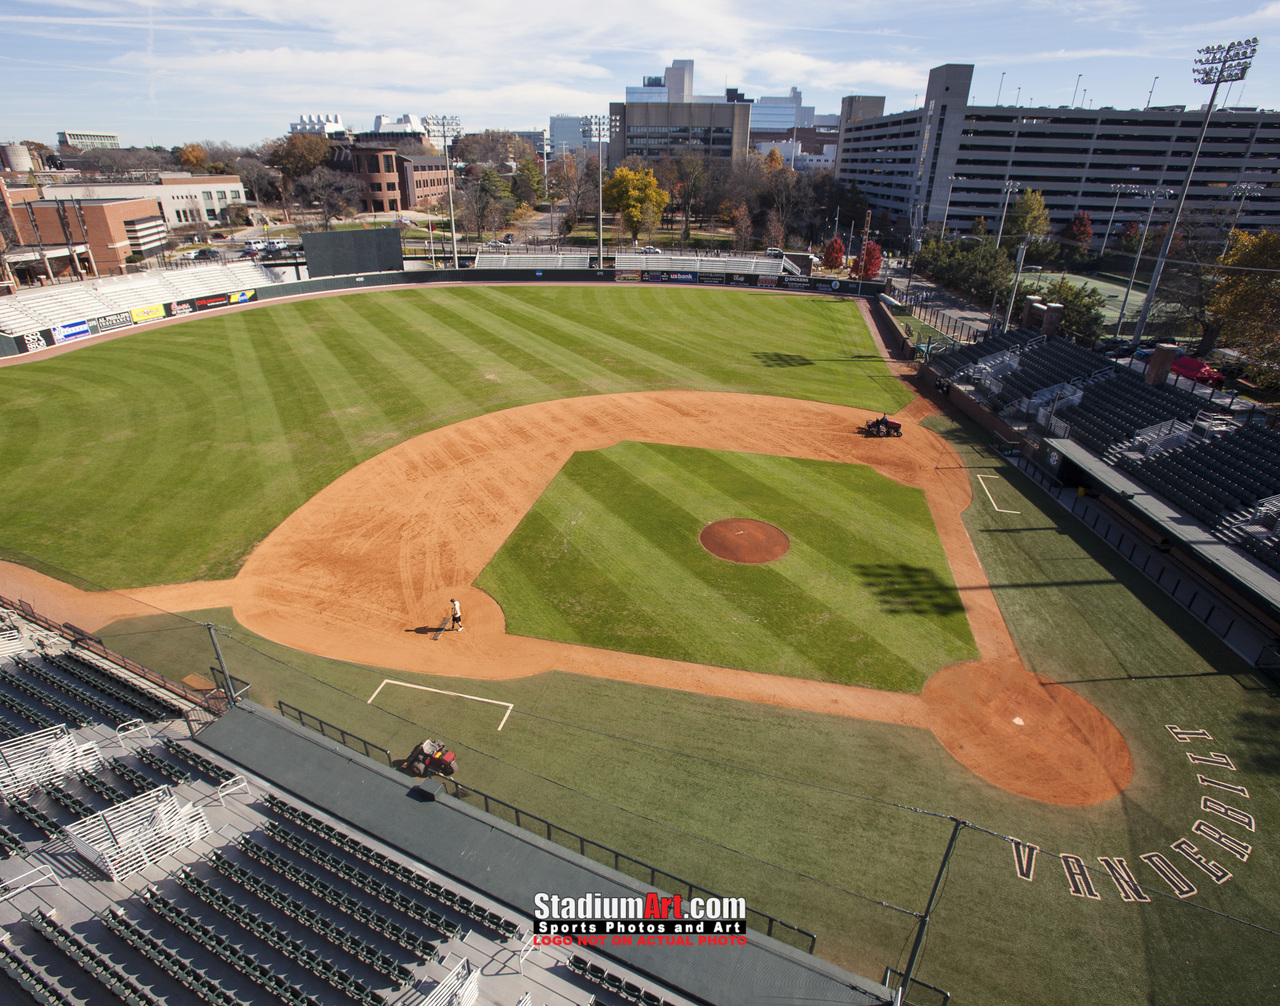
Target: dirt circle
[{"x": 740, "y": 539}]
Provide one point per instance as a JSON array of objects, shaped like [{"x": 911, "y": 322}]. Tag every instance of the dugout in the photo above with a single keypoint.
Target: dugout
[{"x": 342, "y": 253}]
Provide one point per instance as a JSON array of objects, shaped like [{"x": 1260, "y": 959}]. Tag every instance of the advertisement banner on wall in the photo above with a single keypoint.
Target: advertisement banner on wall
[
  {"x": 72, "y": 330},
  {"x": 180, "y": 308},
  {"x": 742, "y": 279},
  {"x": 34, "y": 341},
  {"x": 216, "y": 300},
  {"x": 110, "y": 322},
  {"x": 790, "y": 282},
  {"x": 711, "y": 278},
  {"x": 241, "y": 296},
  {"x": 151, "y": 312},
  {"x": 682, "y": 277},
  {"x": 627, "y": 276},
  {"x": 769, "y": 281}
]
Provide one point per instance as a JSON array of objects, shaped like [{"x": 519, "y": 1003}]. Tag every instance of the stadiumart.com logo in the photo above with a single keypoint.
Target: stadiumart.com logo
[{"x": 595, "y": 914}]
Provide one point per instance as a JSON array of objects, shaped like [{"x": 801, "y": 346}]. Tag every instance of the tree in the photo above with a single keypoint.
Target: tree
[
  {"x": 493, "y": 146},
  {"x": 1182, "y": 305},
  {"x": 528, "y": 186},
  {"x": 330, "y": 193},
  {"x": 486, "y": 200},
  {"x": 833, "y": 254},
  {"x": 258, "y": 179},
  {"x": 1081, "y": 305},
  {"x": 775, "y": 236},
  {"x": 741, "y": 223},
  {"x": 637, "y": 196},
  {"x": 299, "y": 154},
  {"x": 1078, "y": 235},
  {"x": 979, "y": 227},
  {"x": 870, "y": 268},
  {"x": 1246, "y": 303},
  {"x": 1028, "y": 216}
]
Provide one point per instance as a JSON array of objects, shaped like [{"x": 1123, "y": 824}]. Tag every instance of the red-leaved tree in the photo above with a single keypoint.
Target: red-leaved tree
[
  {"x": 869, "y": 269},
  {"x": 833, "y": 254}
]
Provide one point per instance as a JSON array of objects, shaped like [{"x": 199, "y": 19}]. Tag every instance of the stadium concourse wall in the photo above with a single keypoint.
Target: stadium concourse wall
[{"x": 12, "y": 345}]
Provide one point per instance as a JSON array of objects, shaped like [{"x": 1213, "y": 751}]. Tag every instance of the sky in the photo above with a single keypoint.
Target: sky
[{"x": 241, "y": 71}]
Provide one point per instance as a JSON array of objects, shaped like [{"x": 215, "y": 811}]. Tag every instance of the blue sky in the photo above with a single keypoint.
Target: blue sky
[{"x": 170, "y": 71}]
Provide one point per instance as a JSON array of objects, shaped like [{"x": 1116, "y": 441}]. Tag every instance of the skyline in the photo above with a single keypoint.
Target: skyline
[{"x": 241, "y": 71}]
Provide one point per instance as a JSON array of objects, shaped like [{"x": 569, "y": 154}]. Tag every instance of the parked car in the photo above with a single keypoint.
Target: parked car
[
  {"x": 189, "y": 254},
  {"x": 1197, "y": 370},
  {"x": 278, "y": 244},
  {"x": 249, "y": 253},
  {"x": 255, "y": 244},
  {"x": 650, "y": 250},
  {"x": 508, "y": 238},
  {"x": 218, "y": 236},
  {"x": 207, "y": 254},
  {"x": 495, "y": 243}
]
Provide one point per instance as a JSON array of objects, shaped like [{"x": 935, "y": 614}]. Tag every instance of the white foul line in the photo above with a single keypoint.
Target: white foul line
[
  {"x": 988, "y": 492},
  {"x": 441, "y": 691}
]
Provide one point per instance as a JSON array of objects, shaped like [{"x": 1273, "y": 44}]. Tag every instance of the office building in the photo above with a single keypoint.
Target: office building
[
  {"x": 668, "y": 120},
  {"x": 905, "y": 163}
]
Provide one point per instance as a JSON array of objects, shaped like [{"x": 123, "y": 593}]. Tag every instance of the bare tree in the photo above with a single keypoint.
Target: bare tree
[{"x": 329, "y": 193}]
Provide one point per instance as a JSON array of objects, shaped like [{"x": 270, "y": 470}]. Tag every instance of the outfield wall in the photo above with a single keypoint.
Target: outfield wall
[{"x": 14, "y": 345}]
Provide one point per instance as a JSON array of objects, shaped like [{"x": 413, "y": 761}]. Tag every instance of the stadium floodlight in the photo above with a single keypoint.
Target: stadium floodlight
[
  {"x": 1244, "y": 190},
  {"x": 597, "y": 127},
  {"x": 1120, "y": 190},
  {"x": 447, "y": 127},
  {"x": 1010, "y": 187},
  {"x": 952, "y": 179},
  {"x": 1216, "y": 65},
  {"x": 1155, "y": 195}
]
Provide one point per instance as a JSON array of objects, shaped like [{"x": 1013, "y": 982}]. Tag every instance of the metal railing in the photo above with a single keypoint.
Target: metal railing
[
  {"x": 335, "y": 732},
  {"x": 637, "y": 869}
]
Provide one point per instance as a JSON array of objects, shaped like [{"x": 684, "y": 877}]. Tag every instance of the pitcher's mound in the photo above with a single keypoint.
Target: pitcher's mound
[{"x": 740, "y": 539}]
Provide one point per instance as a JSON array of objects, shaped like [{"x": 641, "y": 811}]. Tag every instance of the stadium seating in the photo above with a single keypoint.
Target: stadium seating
[
  {"x": 959, "y": 357},
  {"x": 505, "y": 260}
]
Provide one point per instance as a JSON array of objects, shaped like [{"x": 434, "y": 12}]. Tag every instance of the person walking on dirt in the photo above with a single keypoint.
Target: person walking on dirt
[{"x": 457, "y": 616}]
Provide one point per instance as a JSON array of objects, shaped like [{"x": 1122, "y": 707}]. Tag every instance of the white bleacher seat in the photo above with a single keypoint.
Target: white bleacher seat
[{"x": 501, "y": 260}]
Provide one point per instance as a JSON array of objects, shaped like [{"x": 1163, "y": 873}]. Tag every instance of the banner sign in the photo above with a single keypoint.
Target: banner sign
[
  {"x": 72, "y": 330},
  {"x": 149, "y": 313},
  {"x": 34, "y": 341},
  {"x": 217, "y": 300},
  {"x": 742, "y": 279},
  {"x": 769, "y": 281},
  {"x": 241, "y": 296},
  {"x": 180, "y": 308},
  {"x": 711, "y": 278},
  {"x": 110, "y": 322},
  {"x": 627, "y": 276}
]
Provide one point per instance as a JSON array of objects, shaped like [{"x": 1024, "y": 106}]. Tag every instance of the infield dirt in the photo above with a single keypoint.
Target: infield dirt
[{"x": 364, "y": 571}]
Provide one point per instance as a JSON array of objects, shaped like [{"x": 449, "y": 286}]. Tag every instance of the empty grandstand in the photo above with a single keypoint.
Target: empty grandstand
[
  {"x": 750, "y": 265},
  {"x": 169, "y": 850},
  {"x": 507, "y": 260}
]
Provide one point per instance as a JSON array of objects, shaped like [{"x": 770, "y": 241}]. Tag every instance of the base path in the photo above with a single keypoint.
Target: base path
[{"x": 380, "y": 551}]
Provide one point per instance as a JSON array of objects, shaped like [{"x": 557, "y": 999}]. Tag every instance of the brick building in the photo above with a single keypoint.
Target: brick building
[{"x": 391, "y": 181}]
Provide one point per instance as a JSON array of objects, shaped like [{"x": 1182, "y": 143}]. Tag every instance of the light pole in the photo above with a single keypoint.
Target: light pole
[
  {"x": 952, "y": 179},
  {"x": 596, "y": 127},
  {"x": 1119, "y": 190},
  {"x": 1154, "y": 195},
  {"x": 1010, "y": 187},
  {"x": 1013, "y": 291},
  {"x": 448, "y": 127},
  {"x": 1217, "y": 65},
  {"x": 1244, "y": 190}
]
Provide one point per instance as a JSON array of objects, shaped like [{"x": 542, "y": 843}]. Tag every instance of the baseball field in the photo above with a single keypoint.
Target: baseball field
[{"x": 320, "y": 477}]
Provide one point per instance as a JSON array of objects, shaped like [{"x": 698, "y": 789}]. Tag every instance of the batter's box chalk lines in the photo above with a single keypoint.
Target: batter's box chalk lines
[
  {"x": 441, "y": 691},
  {"x": 997, "y": 509}
]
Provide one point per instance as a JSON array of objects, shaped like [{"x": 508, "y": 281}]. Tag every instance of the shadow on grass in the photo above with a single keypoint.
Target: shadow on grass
[
  {"x": 1260, "y": 731},
  {"x": 909, "y": 590}
]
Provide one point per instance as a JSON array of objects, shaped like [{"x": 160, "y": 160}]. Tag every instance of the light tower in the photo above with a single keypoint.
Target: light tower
[
  {"x": 1216, "y": 65},
  {"x": 598, "y": 127},
  {"x": 447, "y": 127}
]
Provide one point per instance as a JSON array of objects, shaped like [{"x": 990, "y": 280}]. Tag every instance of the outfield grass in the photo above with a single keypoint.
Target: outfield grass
[
  {"x": 167, "y": 455},
  {"x": 609, "y": 556}
]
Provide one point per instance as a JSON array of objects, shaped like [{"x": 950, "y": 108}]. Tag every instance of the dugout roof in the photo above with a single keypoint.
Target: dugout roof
[{"x": 511, "y": 865}]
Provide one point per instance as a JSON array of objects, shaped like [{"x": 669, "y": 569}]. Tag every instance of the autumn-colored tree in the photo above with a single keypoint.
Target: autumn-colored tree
[
  {"x": 637, "y": 196},
  {"x": 775, "y": 235},
  {"x": 1131, "y": 237},
  {"x": 1247, "y": 302},
  {"x": 194, "y": 158},
  {"x": 741, "y": 227},
  {"x": 833, "y": 254},
  {"x": 773, "y": 161},
  {"x": 870, "y": 267},
  {"x": 1079, "y": 234}
]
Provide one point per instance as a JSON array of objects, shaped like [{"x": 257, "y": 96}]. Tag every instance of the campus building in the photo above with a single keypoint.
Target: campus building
[
  {"x": 81, "y": 237},
  {"x": 320, "y": 125},
  {"x": 950, "y": 158},
  {"x": 87, "y": 141},
  {"x": 184, "y": 199},
  {"x": 391, "y": 181}
]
